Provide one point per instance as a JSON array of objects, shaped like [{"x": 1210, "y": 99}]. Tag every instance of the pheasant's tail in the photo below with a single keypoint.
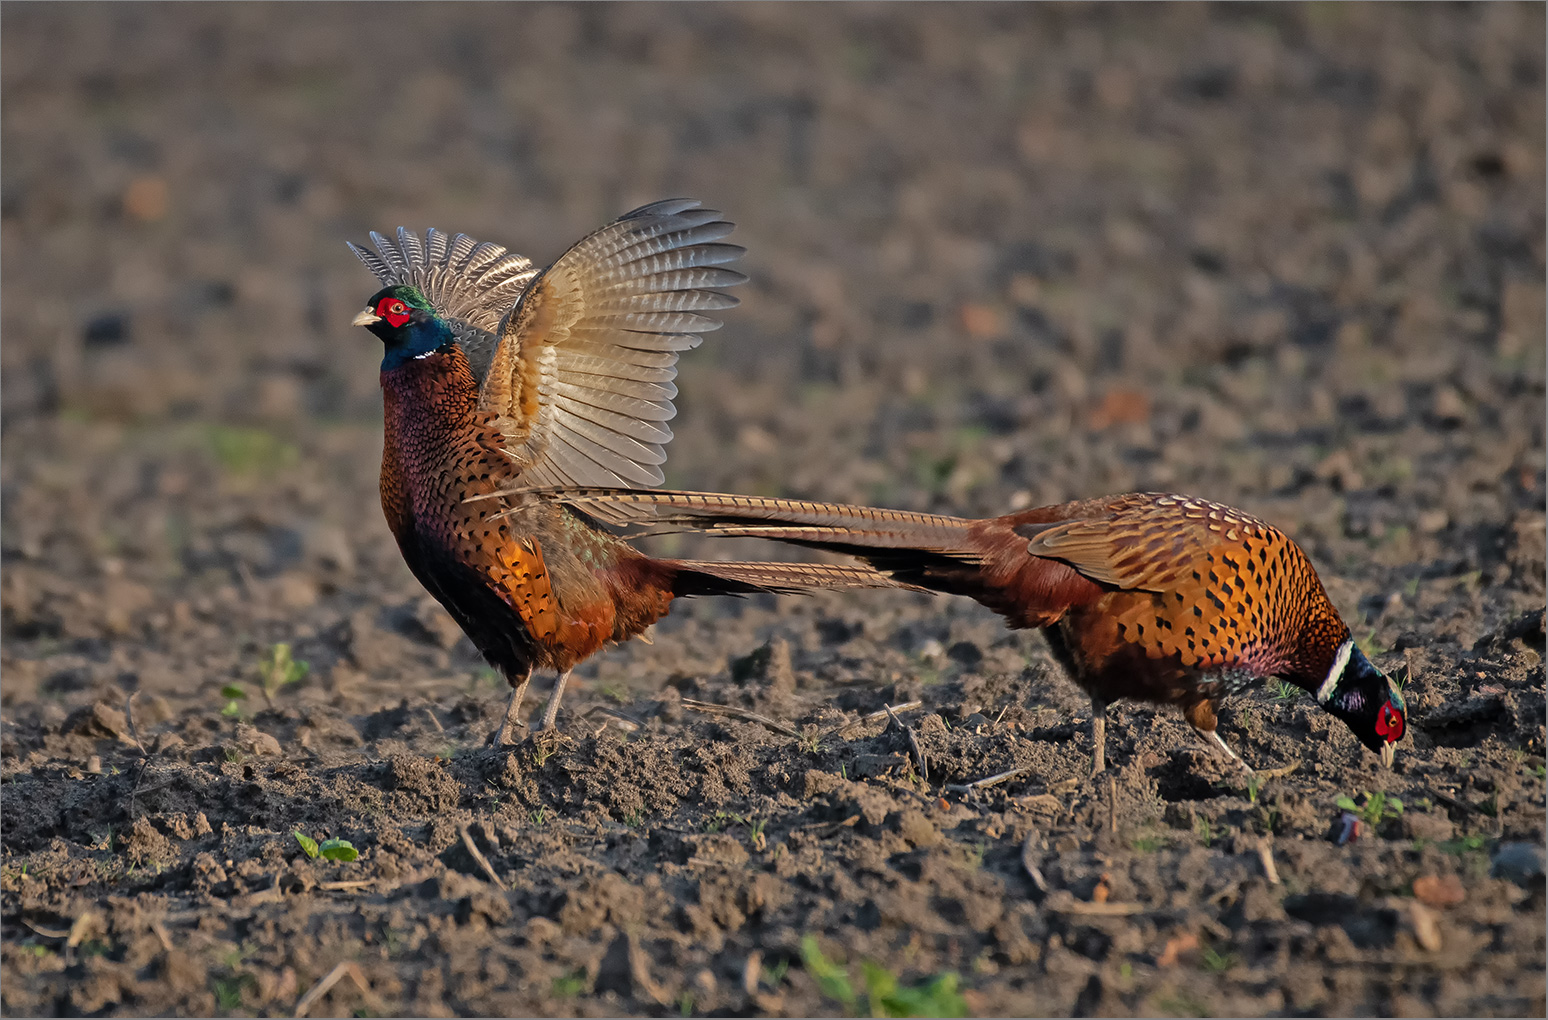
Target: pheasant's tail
[
  {"x": 716, "y": 577},
  {"x": 840, "y": 527}
]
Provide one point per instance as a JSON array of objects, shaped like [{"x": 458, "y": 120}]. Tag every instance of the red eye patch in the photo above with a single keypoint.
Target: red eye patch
[
  {"x": 393, "y": 310},
  {"x": 1389, "y": 723}
]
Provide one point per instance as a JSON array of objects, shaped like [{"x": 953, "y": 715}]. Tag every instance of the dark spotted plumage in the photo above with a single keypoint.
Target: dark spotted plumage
[
  {"x": 1157, "y": 597},
  {"x": 569, "y": 380}
]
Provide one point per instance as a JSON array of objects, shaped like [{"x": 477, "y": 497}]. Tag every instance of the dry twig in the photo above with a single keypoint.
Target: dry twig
[
  {"x": 1032, "y": 870},
  {"x": 913, "y": 743},
  {"x": 348, "y": 967},
  {"x": 710, "y": 708},
  {"x": 483, "y": 862},
  {"x": 1063, "y": 902},
  {"x": 987, "y": 781},
  {"x": 1266, "y": 855},
  {"x": 1281, "y": 772}
]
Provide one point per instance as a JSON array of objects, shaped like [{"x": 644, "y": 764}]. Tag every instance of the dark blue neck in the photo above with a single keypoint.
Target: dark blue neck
[{"x": 415, "y": 339}]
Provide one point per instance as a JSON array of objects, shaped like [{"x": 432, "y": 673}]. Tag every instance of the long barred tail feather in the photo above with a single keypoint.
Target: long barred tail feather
[
  {"x": 716, "y": 577},
  {"x": 838, "y": 526}
]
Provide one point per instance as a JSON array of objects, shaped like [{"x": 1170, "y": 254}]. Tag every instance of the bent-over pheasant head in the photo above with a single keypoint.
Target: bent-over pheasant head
[
  {"x": 1366, "y": 699},
  {"x": 406, "y": 324}
]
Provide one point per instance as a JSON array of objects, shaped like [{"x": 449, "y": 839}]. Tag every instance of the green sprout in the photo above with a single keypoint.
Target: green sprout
[
  {"x": 1216, "y": 962},
  {"x": 1376, "y": 807},
  {"x": 233, "y": 693},
  {"x": 884, "y": 995},
  {"x": 568, "y": 986},
  {"x": 278, "y": 670},
  {"x": 328, "y": 850}
]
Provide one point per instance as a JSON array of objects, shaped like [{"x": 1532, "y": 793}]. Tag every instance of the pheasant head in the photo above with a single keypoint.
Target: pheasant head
[
  {"x": 406, "y": 324},
  {"x": 1366, "y": 699}
]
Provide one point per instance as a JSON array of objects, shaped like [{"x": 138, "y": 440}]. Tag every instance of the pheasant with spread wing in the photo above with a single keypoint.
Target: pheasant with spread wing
[
  {"x": 1162, "y": 598},
  {"x": 496, "y": 373}
]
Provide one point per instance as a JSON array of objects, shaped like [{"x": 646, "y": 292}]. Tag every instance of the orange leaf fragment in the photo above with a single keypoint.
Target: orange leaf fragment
[
  {"x": 1121, "y": 406},
  {"x": 1439, "y": 891},
  {"x": 1176, "y": 946}
]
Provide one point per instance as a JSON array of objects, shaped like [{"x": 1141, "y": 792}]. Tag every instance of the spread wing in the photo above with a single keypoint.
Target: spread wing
[
  {"x": 581, "y": 380},
  {"x": 1145, "y": 541},
  {"x": 471, "y": 284}
]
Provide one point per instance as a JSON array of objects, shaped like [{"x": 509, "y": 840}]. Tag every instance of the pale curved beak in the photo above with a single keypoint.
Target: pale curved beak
[
  {"x": 366, "y": 318},
  {"x": 1388, "y": 752}
]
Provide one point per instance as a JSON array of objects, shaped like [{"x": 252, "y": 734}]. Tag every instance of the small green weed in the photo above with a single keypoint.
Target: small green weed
[
  {"x": 1284, "y": 690},
  {"x": 720, "y": 819},
  {"x": 634, "y": 819},
  {"x": 685, "y": 1004},
  {"x": 537, "y": 816},
  {"x": 1203, "y": 829},
  {"x": 278, "y": 670},
  {"x": 246, "y": 451},
  {"x": 884, "y": 996},
  {"x": 234, "y": 695},
  {"x": 1147, "y": 844},
  {"x": 1369, "y": 646},
  {"x": 328, "y": 850},
  {"x": 1254, "y": 784},
  {"x": 774, "y": 976},
  {"x": 568, "y": 986},
  {"x": 1182, "y": 1003},
  {"x": 1217, "y": 962},
  {"x": 1374, "y": 809},
  {"x": 228, "y": 991}
]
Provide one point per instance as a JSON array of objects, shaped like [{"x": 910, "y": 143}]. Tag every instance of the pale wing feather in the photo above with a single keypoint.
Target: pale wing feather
[
  {"x": 582, "y": 377},
  {"x": 471, "y": 284}
]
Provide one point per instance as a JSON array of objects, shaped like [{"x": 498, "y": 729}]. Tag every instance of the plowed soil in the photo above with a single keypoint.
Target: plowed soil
[{"x": 1286, "y": 257}]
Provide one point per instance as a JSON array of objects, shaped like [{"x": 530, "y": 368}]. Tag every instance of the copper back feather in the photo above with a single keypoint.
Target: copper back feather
[
  {"x": 530, "y": 589},
  {"x": 1146, "y": 541}
]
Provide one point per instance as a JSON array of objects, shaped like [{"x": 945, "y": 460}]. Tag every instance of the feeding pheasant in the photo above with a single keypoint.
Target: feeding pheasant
[
  {"x": 495, "y": 373},
  {"x": 1160, "y": 598}
]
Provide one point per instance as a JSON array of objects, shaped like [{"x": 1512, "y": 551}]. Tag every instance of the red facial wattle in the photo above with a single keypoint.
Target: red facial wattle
[
  {"x": 394, "y": 311},
  {"x": 1389, "y": 723}
]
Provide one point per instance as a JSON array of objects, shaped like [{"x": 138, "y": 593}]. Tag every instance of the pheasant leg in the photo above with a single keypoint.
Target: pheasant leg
[
  {"x": 506, "y": 734},
  {"x": 551, "y": 713},
  {"x": 1201, "y": 716}
]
